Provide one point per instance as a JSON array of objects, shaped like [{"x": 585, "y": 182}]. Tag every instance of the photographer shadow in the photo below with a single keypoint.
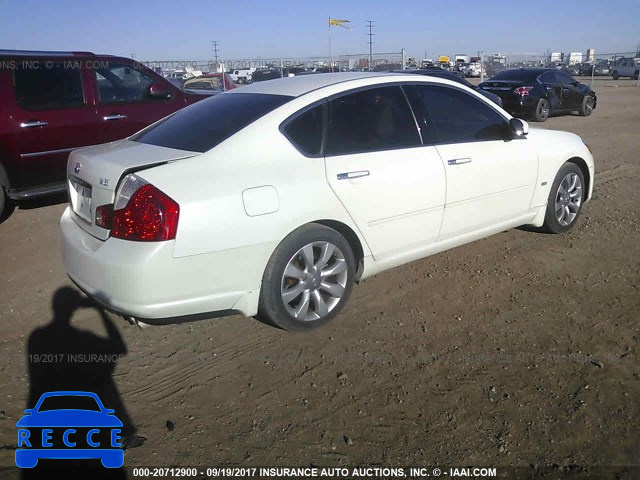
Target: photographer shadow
[{"x": 62, "y": 357}]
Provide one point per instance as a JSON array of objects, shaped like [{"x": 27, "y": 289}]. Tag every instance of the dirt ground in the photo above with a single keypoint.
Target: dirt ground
[{"x": 520, "y": 349}]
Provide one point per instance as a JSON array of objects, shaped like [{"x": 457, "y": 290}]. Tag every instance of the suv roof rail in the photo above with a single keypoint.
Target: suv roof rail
[{"x": 42, "y": 53}]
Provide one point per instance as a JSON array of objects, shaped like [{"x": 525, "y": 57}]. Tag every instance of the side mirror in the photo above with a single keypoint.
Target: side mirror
[
  {"x": 519, "y": 128},
  {"x": 159, "y": 90}
]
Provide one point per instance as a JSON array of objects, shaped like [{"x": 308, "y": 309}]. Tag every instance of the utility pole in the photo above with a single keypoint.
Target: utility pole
[
  {"x": 370, "y": 42},
  {"x": 214, "y": 44}
]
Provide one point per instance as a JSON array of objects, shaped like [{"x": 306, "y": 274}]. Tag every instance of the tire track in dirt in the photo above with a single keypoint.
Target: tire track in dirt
[{"x": 183, "y": 373}]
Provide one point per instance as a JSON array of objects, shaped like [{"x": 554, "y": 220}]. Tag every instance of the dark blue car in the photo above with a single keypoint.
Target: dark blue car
[{"x": 69, "y": 425}]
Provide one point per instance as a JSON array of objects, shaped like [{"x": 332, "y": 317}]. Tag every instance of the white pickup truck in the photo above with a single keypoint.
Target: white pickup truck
[
  {"x": 242, "y": 75},
  {"x": 626, "y": 67}
]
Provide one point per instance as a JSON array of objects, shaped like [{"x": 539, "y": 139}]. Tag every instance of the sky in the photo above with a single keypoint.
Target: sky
[{"x": 245, "y": 29}]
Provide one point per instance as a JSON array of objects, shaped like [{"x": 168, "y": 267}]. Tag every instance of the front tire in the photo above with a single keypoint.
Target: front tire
[
  {"x": 565, "y": 199},
  {"x": 308, "y": 279},
  {"x": 615, "y": 75},
  {"x": 586, "y": 108},
  {"x": 543, "y": 109}
]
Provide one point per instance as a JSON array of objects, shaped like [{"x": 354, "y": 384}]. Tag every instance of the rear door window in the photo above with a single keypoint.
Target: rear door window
[
  {"x": 565, "y": 79},
  {"x": 47, "y": 86},
  {"x": 549, "y": 78},
  {"x": 305, "y": 131},
  {"x": 205, "y": 124}
]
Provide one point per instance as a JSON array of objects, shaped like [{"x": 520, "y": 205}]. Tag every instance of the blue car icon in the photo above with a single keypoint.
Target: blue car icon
[{"x": 69, "y": 425}]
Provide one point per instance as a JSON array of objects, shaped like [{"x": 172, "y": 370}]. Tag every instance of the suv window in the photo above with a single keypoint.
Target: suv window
[
  {"x": 305, "y": 131},
  {"x": 205, "y": 124},
  {"x": 455, "y": 116},
  {"x": 122, "y": 83},
  {"x": 369, "y": 121},
  {"x": 48, "y": 88}
]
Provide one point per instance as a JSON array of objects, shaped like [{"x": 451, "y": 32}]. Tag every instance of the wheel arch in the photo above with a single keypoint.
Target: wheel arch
[
  {"x": 582, "y": 165},
  {"x": 352, "y": 237}
]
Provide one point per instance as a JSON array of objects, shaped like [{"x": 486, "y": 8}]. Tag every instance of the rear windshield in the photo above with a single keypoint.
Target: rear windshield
[
  {"x": 524, "y": 75},
  {"x": 205, "y": 124}
]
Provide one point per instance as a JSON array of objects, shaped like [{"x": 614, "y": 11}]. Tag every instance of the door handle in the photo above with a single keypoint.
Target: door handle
[
  {"x": 114, "y": 116},
  {"x": 458, "y": 161},
  {"x": 350, "y": 175},
  {"x": 33, "y": 123}
]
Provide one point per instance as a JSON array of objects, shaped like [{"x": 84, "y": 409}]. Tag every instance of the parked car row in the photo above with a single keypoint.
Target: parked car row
[{"x": 453, "y": 76}]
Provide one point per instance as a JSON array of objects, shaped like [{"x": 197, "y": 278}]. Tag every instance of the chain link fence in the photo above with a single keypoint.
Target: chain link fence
[{"x": 599, "y": 66}]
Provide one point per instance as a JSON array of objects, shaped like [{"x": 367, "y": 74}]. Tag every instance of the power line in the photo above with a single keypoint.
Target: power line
[{"x": 370, "y": 42}]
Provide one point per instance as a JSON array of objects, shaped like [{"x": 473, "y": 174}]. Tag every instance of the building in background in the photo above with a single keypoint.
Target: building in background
[{"x": 591, "y": 55}]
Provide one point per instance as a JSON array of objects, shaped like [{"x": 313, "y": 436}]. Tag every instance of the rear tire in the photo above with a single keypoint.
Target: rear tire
[
  {"x": 565, "y": 199},
  {"x": 6, "y": 204},
  {"x": 543, "y": 109},
  {"x": 586, "y": 108},
  {"x": 308, "y": 279}
]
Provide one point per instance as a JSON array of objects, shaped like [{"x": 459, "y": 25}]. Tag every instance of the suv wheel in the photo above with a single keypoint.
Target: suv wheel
[{"x": 615, "y": 75}]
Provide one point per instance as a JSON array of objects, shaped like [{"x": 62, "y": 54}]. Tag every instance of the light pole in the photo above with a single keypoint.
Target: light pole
[{"x": 480, "y": 54}]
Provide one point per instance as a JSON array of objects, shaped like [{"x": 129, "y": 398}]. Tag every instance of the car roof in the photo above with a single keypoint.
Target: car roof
[{"x": 299, "y": 85}]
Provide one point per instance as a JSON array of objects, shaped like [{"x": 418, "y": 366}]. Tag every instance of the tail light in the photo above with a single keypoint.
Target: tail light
[
  {"x": 143, "y": 213},
  {"x": 524, "y": 91}
]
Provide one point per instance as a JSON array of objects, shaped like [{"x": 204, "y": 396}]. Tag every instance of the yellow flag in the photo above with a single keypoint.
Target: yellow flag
[{"x": 338, "y": 23}]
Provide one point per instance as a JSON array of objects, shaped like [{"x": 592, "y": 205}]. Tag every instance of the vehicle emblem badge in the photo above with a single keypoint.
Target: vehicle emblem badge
[{"x": 77, "y": 167}]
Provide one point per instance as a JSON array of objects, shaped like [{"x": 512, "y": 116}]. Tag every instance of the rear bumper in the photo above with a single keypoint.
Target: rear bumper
[
  {"x": 145, "y": 281},
  {"x": 517, "y": 105}
]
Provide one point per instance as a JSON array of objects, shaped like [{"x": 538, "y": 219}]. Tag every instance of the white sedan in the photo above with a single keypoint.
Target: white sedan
[{"x": 271, "y": 200}]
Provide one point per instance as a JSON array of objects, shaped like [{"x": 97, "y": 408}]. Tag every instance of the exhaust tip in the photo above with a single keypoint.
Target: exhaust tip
[{"x": 135, "y": 321}]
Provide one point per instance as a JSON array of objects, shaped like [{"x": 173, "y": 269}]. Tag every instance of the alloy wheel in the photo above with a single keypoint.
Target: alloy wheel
[
  {"x": 314, "y": 281},
  {"x": 568, "y": 199}
]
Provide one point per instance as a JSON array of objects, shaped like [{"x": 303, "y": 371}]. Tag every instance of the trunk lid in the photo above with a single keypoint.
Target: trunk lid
[
  {"x": 93, "y": 175},
  {"x": 502, "y": 87}
]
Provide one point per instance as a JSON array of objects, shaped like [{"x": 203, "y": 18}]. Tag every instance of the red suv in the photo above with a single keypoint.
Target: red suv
[{"x": 55, "y": 102}]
